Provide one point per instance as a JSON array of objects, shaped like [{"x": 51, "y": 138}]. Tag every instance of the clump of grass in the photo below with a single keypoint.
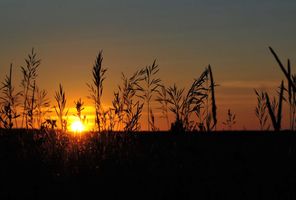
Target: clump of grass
[
  {"x": 104, "y": 116},
  {"x": 151, "y": 85},
  {"x": 133, "y": 115},
  {"x": 276, "y": 119},
  {"x": 49, "y": 124},
  {"x": 261, "y": 110},
  {"x": 162, "y": 99},
  {"x": 42, "y": 106},
  {"x": 61, "y": 112},
  {"x": 175, "y": 100},
  {"x": 193, "y": 102},
  {"x": 291, "y": 82},
  {"x": 126, "y": 108},
  {"x": 96, "y": 89},
  {"x": 130, "y": 107},
  {"x": 9, "y": 102},
  {"x": 230, "y": 120},
  {"x": 111, "y": 120},
  {"x": 117, "y": 109},
  {"x": 79, "y": 108},
  {"x": 199, "y": 99},
  {"x": 291, "y": 98},
  {"x": 28, "y": 87}
]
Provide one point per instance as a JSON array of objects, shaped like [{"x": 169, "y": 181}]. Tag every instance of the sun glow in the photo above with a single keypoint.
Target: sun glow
[{"x": 77, "y": 126}]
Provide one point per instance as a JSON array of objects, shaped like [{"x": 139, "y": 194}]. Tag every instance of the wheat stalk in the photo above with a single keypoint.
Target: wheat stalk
[
  {"x": 61, "y": 100},
  {"x": 96, "y": 89},
  {"x": 162, "y": 100},
  {"x": 261, "y": 108},
  {"x": 151, "y": 86},
  {"x": 9, "y": 102},
  {"x": 42, "y": 102},
  {"x": 29, "y": 76}
]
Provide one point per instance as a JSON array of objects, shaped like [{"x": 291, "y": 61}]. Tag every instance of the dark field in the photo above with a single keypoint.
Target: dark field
[{"x": 220, "y": 165}]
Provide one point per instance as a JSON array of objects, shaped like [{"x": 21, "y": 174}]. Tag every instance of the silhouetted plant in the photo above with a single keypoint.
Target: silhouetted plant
[
  {"x": 286, "y": 73},
  {"x": 292, "y": 105},
  {"x": 151, "y": 85},
  {"x": 178, "y": 126},
  {"x": 111, "y": 120},
  {"x": 230, "y": 120},
  {"x": 276, "y": 119},
  {"x": 31, "y": 107},
  {"x": 42, "y": 105},
  {"x": 79, "y": 108},
  {"x": 133, "y": 114},
  {"x": 48, "y": 124},
  {"x": 163, "y": 101},
  {"x": 291, "y": 98},
  {"x": 175, "y": 105},
  {"x": 130, "y": 107},
  {"x": 193, "y": 102},
  {"x": 29, "y": 76},
  {"x": 61, "y": 100},
  {"x": 199, "y": 99},
  {"x": 96, "y": 89},
  {"x": 9, "y": 102},
  {"x": 104, "y": 115},
  {"x": 118, "y": 110},
  {"x": 261, "y": 110},
  {"x": 291, "y": 82},
  {"x": 213, "y": 101}
]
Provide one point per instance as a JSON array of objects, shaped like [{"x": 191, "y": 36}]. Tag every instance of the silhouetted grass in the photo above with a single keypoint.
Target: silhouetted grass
[
  {"x": 96, "y": 89},
  {"x": 151, "y": 85},
  {"x": 291, "y": 82},
  {"x": 79, "y": 108},
  {"x": 194, "y": 110},
  {"x": 129, "y": 101},
  {"x": 8, "y": 103},
  {"x": 28, "y": 83},
  {"x": 213, "y": 99},
  {"x": 42, "y": 106},
  {"x": 60, "y": 109},
  {"x": 199, "y": 101},
  {"x": 276, "y": 119},
  {"x": 230, "y": 120},
  {"x": 261, "y": 110},
  {"x": 162, "y": 99}
]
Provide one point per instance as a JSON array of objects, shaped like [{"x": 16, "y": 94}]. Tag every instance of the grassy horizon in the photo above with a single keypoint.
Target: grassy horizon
[{"x": 141, "y": 102}]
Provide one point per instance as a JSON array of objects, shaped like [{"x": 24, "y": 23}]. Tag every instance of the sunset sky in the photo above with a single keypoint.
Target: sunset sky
[{"x": 184, "y": 36}]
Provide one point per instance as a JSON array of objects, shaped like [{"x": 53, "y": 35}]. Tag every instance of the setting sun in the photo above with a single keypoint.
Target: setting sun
[{"x": 77, "y": 126}]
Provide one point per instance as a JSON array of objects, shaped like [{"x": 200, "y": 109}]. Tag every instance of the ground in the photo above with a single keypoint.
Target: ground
[{"x": 160, "y": 165}]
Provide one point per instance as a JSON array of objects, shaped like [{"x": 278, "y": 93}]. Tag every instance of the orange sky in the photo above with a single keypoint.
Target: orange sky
[
  {"x": 184, "y": 36},
  {"x": 238, "y": 95}
]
